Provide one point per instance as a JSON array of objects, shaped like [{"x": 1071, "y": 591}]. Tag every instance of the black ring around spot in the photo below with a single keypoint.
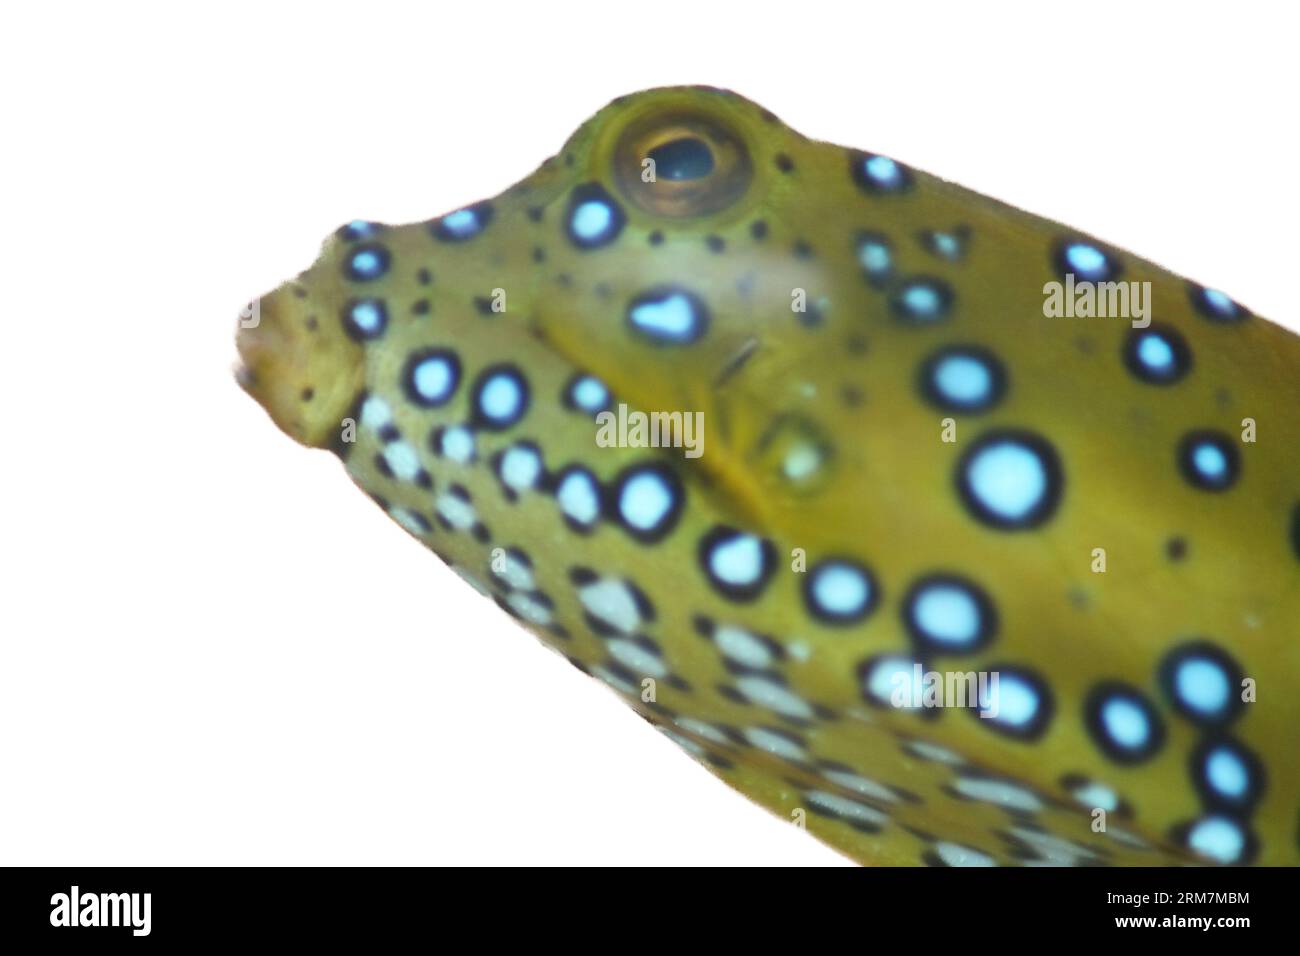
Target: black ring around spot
[
  {"x": 829, "y": 617},
  {"x": 1177, "y": 345},
  {"x": 904, "y": 313},
  {"x": 483, "y": 213},
  {"x": 738, "y": 593},
  {"x": 1111, "y": 271},
  {"x": 676, "y": 492},
  {"x": 413, "y": 362},
  {"x": 594, "y": 192},
  {"x": 923, "y": 642},
  {"x": 479, "y": 418},
  {"x": 858, "y": 170},
  {"x": 351, "y": 327},
  {"x": 1232, "y": 672},
  {"x": 382, "y": 256},
  {"x": 1186, "y": 459},
  {"x": 1055, "y": 480},
  {"x": 1042, "y": 718},
  {"x": 1110, "y": 690},
  {"x": 997, "y": 378},
  {"x": 1201, "y": 303},
  {"x": 1213, "y": 800}
]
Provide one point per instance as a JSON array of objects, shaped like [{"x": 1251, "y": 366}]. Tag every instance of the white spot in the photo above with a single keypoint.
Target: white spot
[
  {"x": 769, "y": 694},
  {"x": 515, "y": 573},
  {"x": 700, "y": 729},
  {"x": 741, "y": 646},
  {"x": 954, "y": 854},
  {"x": 1000, "y": 792},
  {"x": 636, "y": 658},
  {"x": 521, "y": 466},
  {"x": 861, "y": 785},
  {"x": 457, "y": 512},
  {"x": 1218, "y": 838},
  {"x": 458, "y": 444},
  {"x": 529, "y": 608},
  {"x": 375, "y": 413},
  {"x": 845, "y": 808},
  {"x": 403, "y": 459},
  {"x": 776, "y": 744},
  {"x": 579, "y": 497},
  {"x": 612, "y": 602}
]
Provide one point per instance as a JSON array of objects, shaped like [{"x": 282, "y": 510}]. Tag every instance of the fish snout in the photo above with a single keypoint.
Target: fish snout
[{"x": 298, "y": 363}]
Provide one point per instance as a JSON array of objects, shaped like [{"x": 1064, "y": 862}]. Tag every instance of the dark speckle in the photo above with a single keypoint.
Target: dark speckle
[
  {"x": 768, "y": 116},
  {"x": 568, "y": 160},
  {"x": 758, "y": 229},
  {"x": 856, "y": 345},
  {"x": 656, "y": 237},
  {"x": 421, "y": 307},
  {"x": 483, "y": 304},
  {"x": 535, "y": 213},
  {"x": 312, "y": 323},
  {"x": 307, "y": 394},
  {"x": 424, "y": 277},
  {"x": 715, "y": 243},
  {"x": 1176, "y": 548},
  {"x": 784, "y": 162},
  {"x": 539, "y": 254},
  {"x": 852, "y": 396},
  {"x": 802, "y": 249}
]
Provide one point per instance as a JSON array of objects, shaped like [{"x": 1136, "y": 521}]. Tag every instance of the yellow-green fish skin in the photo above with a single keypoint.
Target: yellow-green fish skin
[{"x": 919, "y": 464}]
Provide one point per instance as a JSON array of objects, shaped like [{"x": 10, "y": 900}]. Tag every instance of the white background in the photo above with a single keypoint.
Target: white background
[{"x": 215, "y": 650}]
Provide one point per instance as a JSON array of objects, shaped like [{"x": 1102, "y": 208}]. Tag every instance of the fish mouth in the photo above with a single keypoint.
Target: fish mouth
[{"x": 299, "y": 367}]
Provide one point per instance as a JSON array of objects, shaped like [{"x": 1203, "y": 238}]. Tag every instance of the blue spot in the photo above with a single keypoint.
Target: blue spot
[
  {"x": 431, "y": 377},
  {"x": 922, "y": 300},
  {"x": 737, "y": 564},
  {"x": 463, "y": 224},
  {"x": 876, "y": 256},
  {"x": 963, "y": 379},
  {"x": 359, "y": 229},
  {"x": 501, "y": 397},
  {"x": 520, "y": 467},
  {"x": 1087, "y": 262},
  {"x": 946, "y": 245},
  {"x": 1202, "y": 683},
  {"x": 365, "y": 319},
  {"x": 839, "y": 591},
  {"x": 879, "y": 174},
  {"x": 1123, "y": 723},
  {"x": 648, "y": 499},
  {"x": 668, "y": 316},
  {"x": 367, "y": 262},
  {"x": 1209, "y": 460},
  {"x": 1019, "y": 704},
  {"x": 1218, "y": 838},
  {"x": 1216, "y": 305},
  {"x": 1226, "y": 773},
  {"x": 594, "y": 218},
  {"x": 949, "y": 614},
  {"x": 1158, "y": 355},
  {"x": 682, "y": 159},
  {"x": 1010, "y": 480},
  {"x": 578, "y": 495},
  {"x": 588, "y": 394}
]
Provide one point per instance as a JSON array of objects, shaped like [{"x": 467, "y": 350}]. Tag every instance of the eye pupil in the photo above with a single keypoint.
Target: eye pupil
[{"x": 685, "y": 158}]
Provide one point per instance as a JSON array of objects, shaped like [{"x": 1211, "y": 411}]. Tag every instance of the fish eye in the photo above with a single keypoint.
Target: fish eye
[{"x": 682, "y": 164}]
